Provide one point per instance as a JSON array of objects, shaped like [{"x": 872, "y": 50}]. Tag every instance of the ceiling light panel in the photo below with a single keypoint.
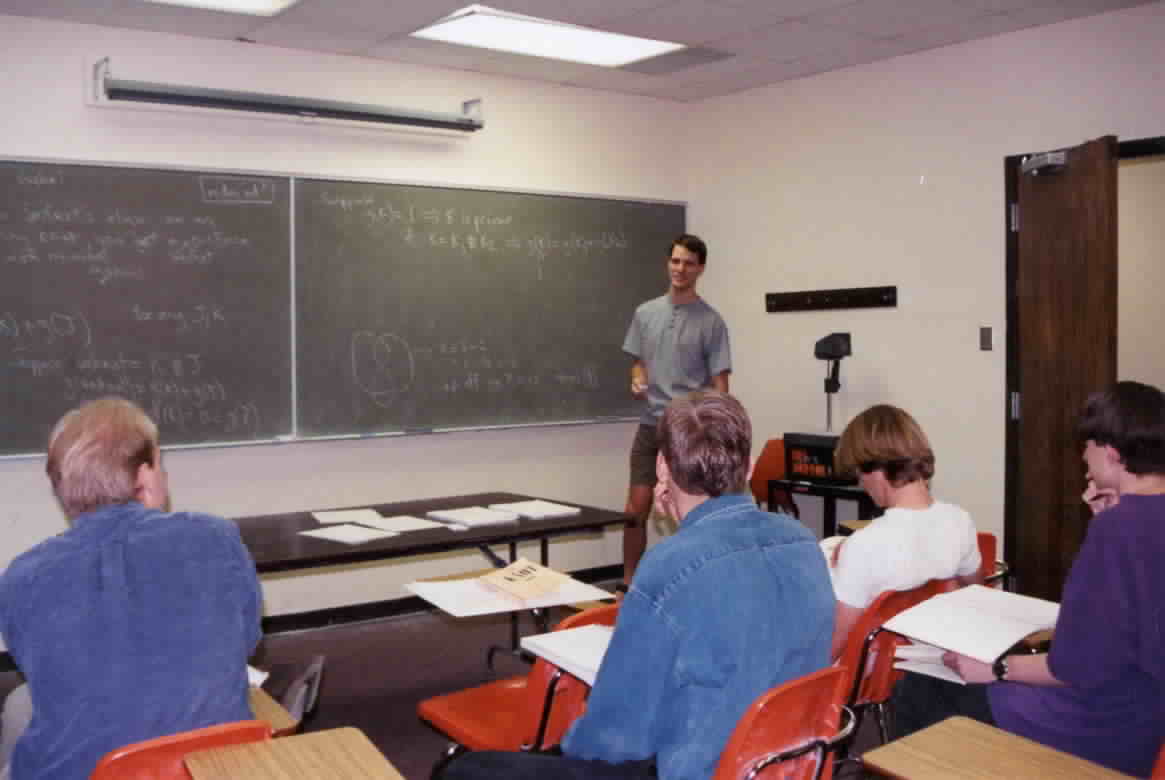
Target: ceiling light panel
[{"x": 250, "y": 7}]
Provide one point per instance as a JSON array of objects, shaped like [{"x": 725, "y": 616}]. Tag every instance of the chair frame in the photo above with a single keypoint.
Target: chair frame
[{"x": 821, "y": 746}]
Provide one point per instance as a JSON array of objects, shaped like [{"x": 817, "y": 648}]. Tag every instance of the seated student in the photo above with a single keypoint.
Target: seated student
[
  {"x": 736, "y": 602},
  {"x": 132, "y": 624},
  {"x": 916, "y": 539},
  {"x": 1099, "y": 692}
]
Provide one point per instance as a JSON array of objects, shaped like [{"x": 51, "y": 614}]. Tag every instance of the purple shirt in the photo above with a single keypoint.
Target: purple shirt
[{"x": 1107, "y": 649}]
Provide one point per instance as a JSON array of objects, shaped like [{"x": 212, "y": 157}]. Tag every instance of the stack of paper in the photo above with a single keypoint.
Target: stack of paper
[
  {"x": 537, "y": 509},
  {"x": 975, "y": 621},
  {"x": 525, "y": 580},
  {"x": 578, "y": 651},
  {"x": 348, "y": 533},
  {"x": 469, "y": 597},
  {"x": 472, "y": 516},
  {"x": 362, "y": 516},
  {"x": 925, "y": 659},
  {"x": 401, "y": 523}
]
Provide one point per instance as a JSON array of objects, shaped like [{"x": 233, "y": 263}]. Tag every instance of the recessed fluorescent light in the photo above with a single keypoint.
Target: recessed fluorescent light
[
  {"x": 252, "y": 7},
  {"x": 489, "y": 28}
]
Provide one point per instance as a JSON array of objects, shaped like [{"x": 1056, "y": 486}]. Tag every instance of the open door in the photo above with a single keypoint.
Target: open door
[{"x": 1061, "y": 346}]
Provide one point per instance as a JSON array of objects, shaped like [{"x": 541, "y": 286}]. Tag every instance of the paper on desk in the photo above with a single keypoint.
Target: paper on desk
[
  {"x": 348, "y": 534},
  {"x": 525, "y": 580},
  {"x": 365, "y": 516},
  {"x": 256, "y": 677},
  {"x": 466, "y": 598},
  {"x": 538, "y": 509},
  {"x": 472, "y": 516},
  {"x": 401, "y": 523},
  {"x": 578, "y": 651}
]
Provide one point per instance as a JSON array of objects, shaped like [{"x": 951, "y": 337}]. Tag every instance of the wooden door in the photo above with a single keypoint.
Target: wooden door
[{"x": 1062, "y": 330}]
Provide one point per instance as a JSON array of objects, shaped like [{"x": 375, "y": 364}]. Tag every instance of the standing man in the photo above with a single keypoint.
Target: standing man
[
  {"x": 680, "y": 345},
  {"x": 1100, "y": 691},
  {"x": 136, "y": 622},
  {"x": 736, "y": 602}
]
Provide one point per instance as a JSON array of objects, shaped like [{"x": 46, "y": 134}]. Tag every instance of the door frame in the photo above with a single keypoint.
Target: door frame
[{"x": 1126, "y": 150}]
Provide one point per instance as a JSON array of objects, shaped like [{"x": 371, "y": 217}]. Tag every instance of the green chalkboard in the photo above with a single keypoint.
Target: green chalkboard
[
  {"x": 422, "y": 308},
  {"x": 170, "y": 288}
]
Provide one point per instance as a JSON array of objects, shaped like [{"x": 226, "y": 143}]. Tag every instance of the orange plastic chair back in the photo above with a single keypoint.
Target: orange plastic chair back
[
  {"x": 506, "y": 714},
  {"x": 771, "y": 465},
  {"x": 870, "y": 659},
  {"x": 162, "y": 758},
  {"x": 1159, "y": 767},
  {"x": 793, "y": 714}
]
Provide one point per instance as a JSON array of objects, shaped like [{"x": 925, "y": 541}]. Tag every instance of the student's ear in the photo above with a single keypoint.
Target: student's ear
[{"x": 662, "y": 472}]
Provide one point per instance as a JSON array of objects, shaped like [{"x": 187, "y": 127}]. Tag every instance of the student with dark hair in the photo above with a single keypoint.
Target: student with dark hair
[
  {"x": 917, "y": 538},
  {"x": 679, "y": 345},
  {"x": 735, "y": 603},
  {"x": 1100, "y": 691}
]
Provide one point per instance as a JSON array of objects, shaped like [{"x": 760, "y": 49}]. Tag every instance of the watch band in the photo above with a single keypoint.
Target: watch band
[{"x": 999, "y": 668}]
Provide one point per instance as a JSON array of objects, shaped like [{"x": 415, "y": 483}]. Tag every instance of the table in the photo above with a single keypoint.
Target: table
[
  {"x": 267, "y": 709},
  {"x": 335, "y": 754},
  {"x": 830, "y": 495},
  {"x": 960, "y": 748},
  {"x": 276, "y": 545}
]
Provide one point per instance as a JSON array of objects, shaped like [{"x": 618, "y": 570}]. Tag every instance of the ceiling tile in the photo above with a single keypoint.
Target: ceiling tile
[
  {"x": 194, "y": 22},
  {"x": 691, "y": 22},
  {"x": 786, "y": 41},
  {"x": 433, "y": 53},
  {"x": 90, "y": 11},
  {"x": 585, "y": 12},
  {"x": 884, "y": 18},
  {"x": 294, "y": 35},
  {"x": 787, "y": 9}
]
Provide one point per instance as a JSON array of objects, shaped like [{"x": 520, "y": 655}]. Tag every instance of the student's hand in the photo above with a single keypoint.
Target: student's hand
[
  {"x": 1099, "y": 499},
  {"x": 968, "y": 668},
  {"x": 638, "y": 383}
]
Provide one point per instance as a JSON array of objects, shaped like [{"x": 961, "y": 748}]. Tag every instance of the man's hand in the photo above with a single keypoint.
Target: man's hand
[
  {"x": 968, "y": 668},
  {"x": 638, "y": 381},
  {"x": 1099, "y": 499}
]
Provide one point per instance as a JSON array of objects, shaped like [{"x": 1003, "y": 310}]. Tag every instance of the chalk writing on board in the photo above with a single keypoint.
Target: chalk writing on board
[
  {"x": 225, "y": 190},
  {"x": 382, "y": 365},
  {"x": 41, "y": 330}
]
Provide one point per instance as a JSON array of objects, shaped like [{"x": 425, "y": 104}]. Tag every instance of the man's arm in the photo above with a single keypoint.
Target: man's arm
[
  {"x": 720, "y": 382},
  {"x": 638, "y": 380}
]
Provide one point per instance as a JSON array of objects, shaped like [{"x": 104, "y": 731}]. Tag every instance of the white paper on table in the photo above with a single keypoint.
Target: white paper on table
[
  {"x": 578, "y": 651},
  {"x": 466, "y": 598},
  {"x": 538, "y": 509},
  {"x": 472, "y": 516},
  {"x": 365, "y": 516},
  {"x": 401, "y": 523},
  {"x": 256, "y": 677},
  {"x": 931, "y": 669},
  {"x": 348, "y": 534}
]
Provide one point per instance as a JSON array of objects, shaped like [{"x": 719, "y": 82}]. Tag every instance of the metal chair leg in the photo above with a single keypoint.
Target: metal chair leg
[{"x": 451, "y": 752}]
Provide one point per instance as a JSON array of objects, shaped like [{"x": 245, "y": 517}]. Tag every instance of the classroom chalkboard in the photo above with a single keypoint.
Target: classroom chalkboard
[
  {"x": 170, "y": 288},
  {"x": 422, "y": 308}
]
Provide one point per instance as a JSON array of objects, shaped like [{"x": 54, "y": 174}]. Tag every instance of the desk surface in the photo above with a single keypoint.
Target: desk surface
[
  {"x": 335, "y": 754},
  {"x": 964, "y": 749},
  {"x": 276, "y": 545}
]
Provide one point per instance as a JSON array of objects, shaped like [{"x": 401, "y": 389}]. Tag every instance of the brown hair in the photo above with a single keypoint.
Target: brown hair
[
  {"x": 888, "y": 439},
  {"x": 693, "y": 244},
  {"x": 706, "y": 440},
  {"x": 1129, "y": 417},
  {"x": 95, "y": 452}
]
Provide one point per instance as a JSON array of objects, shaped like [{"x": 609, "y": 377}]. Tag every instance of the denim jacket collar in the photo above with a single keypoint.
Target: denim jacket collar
[{"x": 716, "y": 508}]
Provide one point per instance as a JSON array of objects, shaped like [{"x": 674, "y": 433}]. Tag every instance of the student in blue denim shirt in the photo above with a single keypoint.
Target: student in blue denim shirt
[
  {"x": 135, "y": 622},
  {"x": 736, "y": 602}
]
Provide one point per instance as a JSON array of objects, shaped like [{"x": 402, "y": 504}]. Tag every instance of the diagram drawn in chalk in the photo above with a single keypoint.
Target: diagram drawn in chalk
[{"x": 382, "y": 366}]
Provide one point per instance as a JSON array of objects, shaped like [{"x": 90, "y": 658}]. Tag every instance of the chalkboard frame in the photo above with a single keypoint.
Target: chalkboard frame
[{"x": 293, "y": 178}]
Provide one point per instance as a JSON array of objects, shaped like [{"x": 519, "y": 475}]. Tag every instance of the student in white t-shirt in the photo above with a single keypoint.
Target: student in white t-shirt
[{"x": 916, "y": 539}]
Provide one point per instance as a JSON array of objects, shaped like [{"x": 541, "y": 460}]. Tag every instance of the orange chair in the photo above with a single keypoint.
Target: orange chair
[
  {"x": 1159, "y": 767},
  {"x": 771, "y": 465},
  {"x": 794, "y": 725},
  {"x": 868, "y": 653},
  {"x": 993, "y": 570},
  {"x": 162, "y": 758},
  {"x": 525, "y": 712}
]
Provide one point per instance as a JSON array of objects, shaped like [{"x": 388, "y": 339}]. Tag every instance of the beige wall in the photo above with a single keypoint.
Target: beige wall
[
  {"x": 882, "y": 174},
  {"x": 892, "y": 173},
  {"x": 1141, "y": 243}
]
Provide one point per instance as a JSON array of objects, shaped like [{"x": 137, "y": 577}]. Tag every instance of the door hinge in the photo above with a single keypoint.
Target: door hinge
[
  {"x": 1013, "y": 216},
  {"x": 1014, "y": 411}
]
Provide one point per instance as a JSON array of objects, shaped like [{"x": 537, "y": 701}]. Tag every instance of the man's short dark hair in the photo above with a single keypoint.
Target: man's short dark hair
[
  {"x": 693, "y": 244},
  {"x": 1129, "y": 417},
  {"x": 706, "y": 441}
]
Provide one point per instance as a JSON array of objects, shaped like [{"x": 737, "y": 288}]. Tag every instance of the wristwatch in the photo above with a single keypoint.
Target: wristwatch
[{"x": 999, "y": 668}]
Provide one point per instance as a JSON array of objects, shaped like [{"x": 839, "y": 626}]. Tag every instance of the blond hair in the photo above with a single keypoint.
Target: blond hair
[
  {"x": 885, "y": 438},
  {"x": 95, "y": 452}
]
